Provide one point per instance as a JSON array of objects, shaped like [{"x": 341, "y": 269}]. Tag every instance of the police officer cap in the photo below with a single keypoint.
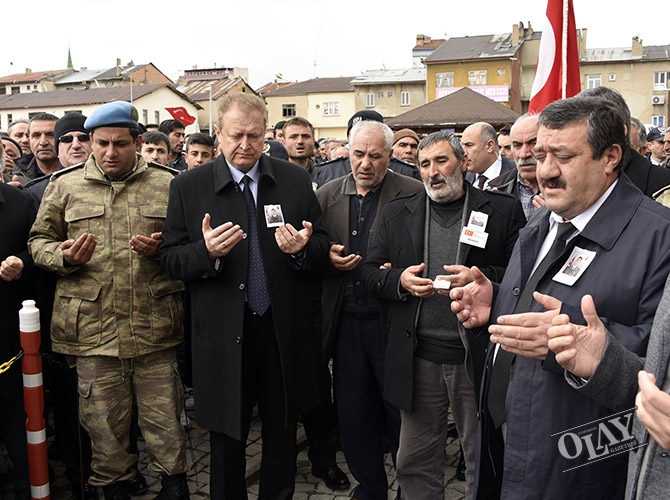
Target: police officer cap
[
  {"x": 655, "y": 134},
  {"x": 362, "y": 116},
  {"x": 275, "y": 149},
  {"x": 113, "y": 114}
]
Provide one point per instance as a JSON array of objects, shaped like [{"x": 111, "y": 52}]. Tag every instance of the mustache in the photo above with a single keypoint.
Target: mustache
[
  {"x": 526, "y": 162},
  {"x": 436, "y": 179},
  {"x": 556, "y": 182}
]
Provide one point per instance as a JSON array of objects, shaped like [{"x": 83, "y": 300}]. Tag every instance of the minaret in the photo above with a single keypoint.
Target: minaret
[{"x": 69, "y": 59}]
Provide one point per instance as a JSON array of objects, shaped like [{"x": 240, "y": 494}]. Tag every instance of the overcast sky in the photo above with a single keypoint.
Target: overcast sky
[{"x": 301, "y": 39}]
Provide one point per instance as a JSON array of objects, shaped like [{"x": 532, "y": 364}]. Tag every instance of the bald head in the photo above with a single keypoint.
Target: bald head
[{"x": 481, "y": 146}]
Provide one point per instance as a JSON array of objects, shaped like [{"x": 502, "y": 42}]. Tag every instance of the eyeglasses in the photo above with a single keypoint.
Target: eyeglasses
[{"x": 67, "y": 139}]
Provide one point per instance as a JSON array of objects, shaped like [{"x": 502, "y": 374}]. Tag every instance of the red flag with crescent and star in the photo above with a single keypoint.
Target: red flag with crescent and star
[{"x": 180, "y": 113}]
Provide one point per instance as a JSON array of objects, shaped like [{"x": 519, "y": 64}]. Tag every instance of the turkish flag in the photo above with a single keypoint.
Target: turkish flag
[
  {"x": 182, "y": 115},
  {"x": 557, "y": 73}
]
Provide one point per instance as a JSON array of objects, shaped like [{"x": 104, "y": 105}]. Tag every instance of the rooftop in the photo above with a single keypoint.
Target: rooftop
[
  {"x": 458, "y": 110},
  {"x": 315, "y": 86},
  {"x": 391, "y": 76},
  {"x": 57, "y": 98}
]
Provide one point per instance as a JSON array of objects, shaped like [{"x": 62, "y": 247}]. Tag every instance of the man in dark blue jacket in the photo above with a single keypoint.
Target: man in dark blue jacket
[{"x": 591, "y": 212}]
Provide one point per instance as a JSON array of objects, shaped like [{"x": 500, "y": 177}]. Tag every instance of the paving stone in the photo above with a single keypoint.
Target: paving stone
[{"x": 307, "y": 487}]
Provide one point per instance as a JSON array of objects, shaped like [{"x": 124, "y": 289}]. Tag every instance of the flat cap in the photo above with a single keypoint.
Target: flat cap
[{"x": 113, "y": 114}]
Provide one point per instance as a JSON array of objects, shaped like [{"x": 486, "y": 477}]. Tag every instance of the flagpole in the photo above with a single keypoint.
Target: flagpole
[{"x": 564, "y": 51}]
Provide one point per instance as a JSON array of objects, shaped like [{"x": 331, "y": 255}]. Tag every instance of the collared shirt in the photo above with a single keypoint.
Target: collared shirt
[
  {"x": 526, "y": 194},
  {"x": 579, "y": 221},
  {"x": 362, "y": 213},
  {"x": 490, "y": 173},
  {"x": 254, "y": 173}
]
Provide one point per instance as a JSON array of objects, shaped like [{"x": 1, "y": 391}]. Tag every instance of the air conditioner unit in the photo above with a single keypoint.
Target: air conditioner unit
[{"x": 658, "y": 99}]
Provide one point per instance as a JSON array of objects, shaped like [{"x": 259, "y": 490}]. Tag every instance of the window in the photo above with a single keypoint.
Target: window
[
  {"x": 288, "y": 110},
  {"x": 593, "y": 81},
  {"x": 157, "y": 117},
  {"x": 444, "y": 80},
  {"x": 380, "y": 95},
  {"x": 16, "y": 90},
  {"x": 390, "y": 95},
  {"x": 404, "y": 98},
  {"x": 501, "y": 72},
  {"x": 369, "y": 100},
  {"x": 477, "y": 78},
  {"x": 3, "y": 90},
  {"x": 612, "y": 77},
  {"x": 331, "y": 108},
  {"x": 658, "y": 121},
  {"x": 660, "y": 80},
  {"x": 145, "y": 116},
  {"x": 9, "y": 118}
]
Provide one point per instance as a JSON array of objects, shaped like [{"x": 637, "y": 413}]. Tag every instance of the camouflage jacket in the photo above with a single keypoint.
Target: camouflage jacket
[{"x": 120, "y": 303}]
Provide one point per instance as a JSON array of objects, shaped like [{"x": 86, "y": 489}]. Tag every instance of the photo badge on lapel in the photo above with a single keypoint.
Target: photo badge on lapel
[
  {"x": 575, "y": 266},
  {"x": 274, "y": 217},
  {"x": 475, "y": 232}
]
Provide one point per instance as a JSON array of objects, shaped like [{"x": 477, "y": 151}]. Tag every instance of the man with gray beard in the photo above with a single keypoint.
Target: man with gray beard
[
  {"x": 522, "y": 182},
  {"x": 425, "y": 244}
]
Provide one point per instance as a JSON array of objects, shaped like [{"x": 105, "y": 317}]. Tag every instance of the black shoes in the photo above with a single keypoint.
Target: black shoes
[
  {"x": 137, "y": 485},
  {"x": 174, "y": 488},
  {"x": 116, "y": 491},
  {"x": 84, "y": 492},
  {"x": 334, "y": 477},
  {"x": 122, "y": 490}
]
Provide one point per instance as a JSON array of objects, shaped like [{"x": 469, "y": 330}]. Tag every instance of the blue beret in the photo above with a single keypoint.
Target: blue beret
[{"x": 113, "y": 114}]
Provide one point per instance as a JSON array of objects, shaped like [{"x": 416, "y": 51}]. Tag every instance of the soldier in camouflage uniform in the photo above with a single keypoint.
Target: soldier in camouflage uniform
[{"x": 99, "y": 227}]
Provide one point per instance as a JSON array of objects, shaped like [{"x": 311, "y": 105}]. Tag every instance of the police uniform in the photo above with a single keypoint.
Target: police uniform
[{"x": 119, "y": 314}]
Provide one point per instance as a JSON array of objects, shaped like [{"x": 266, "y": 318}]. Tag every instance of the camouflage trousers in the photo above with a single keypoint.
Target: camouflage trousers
[{"x": 107, "y": 387}]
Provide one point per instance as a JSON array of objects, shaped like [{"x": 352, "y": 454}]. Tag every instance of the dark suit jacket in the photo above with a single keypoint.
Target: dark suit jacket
[
  {"x": 16, "y": 215},
  {"x": 647, "y": 177},
  {"x": 401, "y": 242},
  {"x": 629, "y": 230},
  {"x": 506, "y": 183},
  {"x": 335, "y": 206},
  {"x": 507, "y": 165},
  {"x": 218, "y": 297}
]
